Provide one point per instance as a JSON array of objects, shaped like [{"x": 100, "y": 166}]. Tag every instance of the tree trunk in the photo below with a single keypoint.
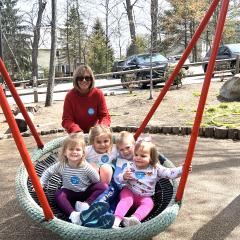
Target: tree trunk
[
  {"x": 79, "y": 35},
  {"x": 68, "y": 52},
  {"x": 154, "y": 27},
  {"x": 36, "y": 37},
  {"x": 133, "y": 48},
  {"x": 107, "y": 30},
  {"x": 50, "y": 86}
]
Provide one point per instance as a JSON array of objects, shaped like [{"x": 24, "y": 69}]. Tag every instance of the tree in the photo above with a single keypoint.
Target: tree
[
  {"x": 180, "y": 22},
  {"x": 74, "y": 35},
  {"x": 14, "y": 34},
  {"x": 97, "y": 50},
  {"x": 50, "y": 86},
  {"x": 133, "y": 49},
  {"x": 36, "y": 37},
  {"x": 154, "y": 25}
]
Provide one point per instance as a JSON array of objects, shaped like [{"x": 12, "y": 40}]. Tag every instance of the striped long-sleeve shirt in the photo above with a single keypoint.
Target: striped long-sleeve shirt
[{"x": 75, "y": 179}]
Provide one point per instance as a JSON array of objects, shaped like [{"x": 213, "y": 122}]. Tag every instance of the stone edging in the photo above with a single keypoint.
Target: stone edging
[{"x": 208, "y": 132}]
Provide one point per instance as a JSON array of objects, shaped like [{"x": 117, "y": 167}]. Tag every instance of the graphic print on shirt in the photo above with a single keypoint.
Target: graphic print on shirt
[
  {"x": 75, "y": 180},
  {"x": 91, "y": 111},
  {"x": 139, "y": 175},
  {"x": 105, "y": 158}
]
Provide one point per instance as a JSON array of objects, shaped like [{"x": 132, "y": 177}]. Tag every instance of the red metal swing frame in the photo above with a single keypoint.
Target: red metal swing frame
[{"x": 193, "y": 139}]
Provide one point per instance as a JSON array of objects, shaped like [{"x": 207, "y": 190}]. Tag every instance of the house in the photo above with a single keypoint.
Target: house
[{"x": 44, "y": 50}]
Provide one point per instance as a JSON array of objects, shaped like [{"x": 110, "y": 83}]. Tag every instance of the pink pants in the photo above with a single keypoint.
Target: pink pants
[{"x": 143, "y": 205}]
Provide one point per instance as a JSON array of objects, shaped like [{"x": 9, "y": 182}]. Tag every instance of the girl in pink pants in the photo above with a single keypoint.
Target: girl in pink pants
[{"x": 140, "y": 178}]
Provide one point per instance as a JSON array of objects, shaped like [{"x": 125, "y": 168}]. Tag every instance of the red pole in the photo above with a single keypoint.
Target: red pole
[
  {"x": 178, "y": 67},
  {"x": 202, "y": 100},
  {"x": 25, "y": 156},
  {"x": 19, "y": 102}
]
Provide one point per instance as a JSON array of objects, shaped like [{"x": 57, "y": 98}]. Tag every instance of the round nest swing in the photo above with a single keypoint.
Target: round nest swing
[{"x": 163, "y": 214}]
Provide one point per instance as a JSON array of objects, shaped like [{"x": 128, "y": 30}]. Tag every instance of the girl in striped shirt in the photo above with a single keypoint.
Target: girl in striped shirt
[{"x": 80, "y": 181}]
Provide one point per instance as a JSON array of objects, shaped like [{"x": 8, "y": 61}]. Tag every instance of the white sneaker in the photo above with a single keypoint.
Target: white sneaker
[
  {"x": 75, "y": 218},
  {"x": 81, "y": 206},
  {"x": 130, "y": 221}
]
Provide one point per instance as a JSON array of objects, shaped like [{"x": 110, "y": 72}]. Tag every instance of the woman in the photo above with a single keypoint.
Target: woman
[{"x": 84, "y": 105}]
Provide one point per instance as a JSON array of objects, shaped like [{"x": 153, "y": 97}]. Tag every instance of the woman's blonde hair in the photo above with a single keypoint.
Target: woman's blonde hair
[
  {"x": 124, "y": 136},
  {"x": 99, "y": 130},
  {"x": 142, "y": 145},
  {"x": 79, "y": 72},
  {"x": 72, "y": 140}
]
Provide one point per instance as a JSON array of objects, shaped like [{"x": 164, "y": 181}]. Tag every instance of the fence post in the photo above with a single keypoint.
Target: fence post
[
  {"x": 35, "y": 90},
  {"x": 237, "y": 64}
]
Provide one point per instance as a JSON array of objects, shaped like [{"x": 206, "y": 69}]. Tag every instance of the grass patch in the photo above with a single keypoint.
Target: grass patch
[
  {"x": 196, "y": 94},
  {"x": 222, "y": 115}
]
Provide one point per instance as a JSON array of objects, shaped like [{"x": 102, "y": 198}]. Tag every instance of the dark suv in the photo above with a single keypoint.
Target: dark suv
[
  {"x": 117, "y": 66},
  {"x": 141, "y": 61},
  {"x": 226, "y": 51}
]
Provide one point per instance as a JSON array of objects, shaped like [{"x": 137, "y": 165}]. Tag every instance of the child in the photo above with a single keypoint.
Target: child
[
  {"x": 140, "y": 178},
  {"x": 101, "y": 153},
  {"x": 125, "y": 145},
  {"x": 80, "y": 181}
]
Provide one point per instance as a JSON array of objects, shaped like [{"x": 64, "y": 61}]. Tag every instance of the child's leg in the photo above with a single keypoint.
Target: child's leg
[
  {"x": 105, "y": 172},
  {"x": 94, "y": 191},
  {"x": 125, "y": 203},
  {"x": 63, "y": 198},
  {"x": 145, "y": 206},
  {"x": 110, "y": 194}
]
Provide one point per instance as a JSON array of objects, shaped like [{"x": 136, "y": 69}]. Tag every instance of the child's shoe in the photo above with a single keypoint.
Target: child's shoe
[
  {"x": 94, "y": 212},
  {"x": 116, "y": 223},
  {"x": 104, "y": 222},
  {"x": 130, "y": 221},
  {"x": 81, "y": 206},
  {"x": 75, "y": 218}
]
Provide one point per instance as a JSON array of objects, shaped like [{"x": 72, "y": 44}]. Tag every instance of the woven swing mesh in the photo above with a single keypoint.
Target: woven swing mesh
[{"x": 163, "y": 214}]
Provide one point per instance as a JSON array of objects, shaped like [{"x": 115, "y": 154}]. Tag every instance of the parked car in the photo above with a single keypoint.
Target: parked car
[
  {"x": 117, "y": 67},
  {"x": 175, "y": 58},
  {"x": 141, "y": 61},
  {"x": 226, "y": 51}
]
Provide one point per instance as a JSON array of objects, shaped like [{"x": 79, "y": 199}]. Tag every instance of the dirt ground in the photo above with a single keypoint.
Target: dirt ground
[
  {"x": 210, "y": 209},
  {"x": 177, "y": 108}
]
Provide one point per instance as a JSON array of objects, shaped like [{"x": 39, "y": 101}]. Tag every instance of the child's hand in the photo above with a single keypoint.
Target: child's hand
[
  {"x": 128, "y": 175},
  {"x": 190, "y": 168}
]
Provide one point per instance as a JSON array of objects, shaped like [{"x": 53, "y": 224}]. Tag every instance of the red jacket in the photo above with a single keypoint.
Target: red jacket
[{"x": 81, "y": 112}]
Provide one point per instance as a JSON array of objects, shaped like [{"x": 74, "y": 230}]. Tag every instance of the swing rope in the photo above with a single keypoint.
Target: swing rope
[
  {"x": 25, "y": 155},
  {"x": 20, "y": 104},
  {"x": 202, "y": 100}
]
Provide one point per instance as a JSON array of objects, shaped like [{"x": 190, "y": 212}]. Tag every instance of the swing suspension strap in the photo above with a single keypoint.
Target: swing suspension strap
[
  {"x": 207, "y": 80},
  {"x": 20, "y": 104},
  {"x": 25, "y": 155}
]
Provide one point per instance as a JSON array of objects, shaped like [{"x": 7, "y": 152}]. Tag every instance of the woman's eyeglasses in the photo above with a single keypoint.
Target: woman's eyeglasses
[{"x": 81, "y": 78}]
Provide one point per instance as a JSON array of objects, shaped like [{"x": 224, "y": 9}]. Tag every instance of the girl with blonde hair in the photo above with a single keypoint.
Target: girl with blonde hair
[{"x": 80, "y": 181}]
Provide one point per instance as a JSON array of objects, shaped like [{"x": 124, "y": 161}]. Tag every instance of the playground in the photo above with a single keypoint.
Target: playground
[{"x": 210, "y": 208}]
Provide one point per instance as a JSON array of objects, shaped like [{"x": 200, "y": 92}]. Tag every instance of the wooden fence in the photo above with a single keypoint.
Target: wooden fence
[{"x": 35, "y": 82}]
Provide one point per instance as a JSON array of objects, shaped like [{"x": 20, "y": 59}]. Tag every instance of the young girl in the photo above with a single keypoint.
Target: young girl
[
  {"x": 101, "y": 153},
  {"x": 125, "y": 146},
  {"x": 140, "y": 178},
  {"x": 80, "y": 181}
]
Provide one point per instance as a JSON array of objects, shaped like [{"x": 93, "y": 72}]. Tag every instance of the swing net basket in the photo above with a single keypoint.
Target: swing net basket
[{"x": 164, "y": 213}]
